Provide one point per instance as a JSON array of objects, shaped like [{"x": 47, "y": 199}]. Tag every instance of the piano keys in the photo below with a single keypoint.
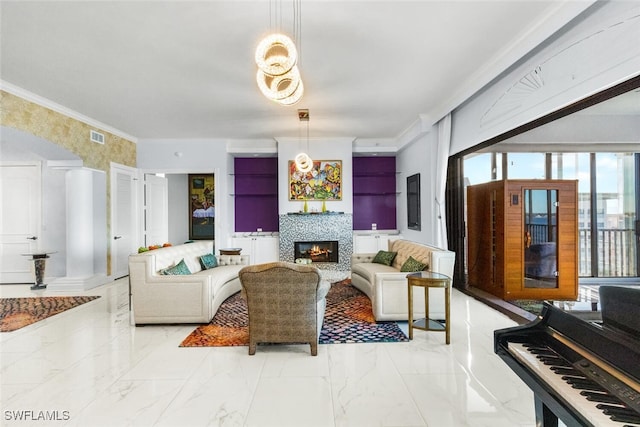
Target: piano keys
[{"x": 584, "y": 373}]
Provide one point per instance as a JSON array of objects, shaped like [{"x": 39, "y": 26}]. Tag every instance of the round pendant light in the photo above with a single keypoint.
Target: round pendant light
[
  {"x": 278, "y": 87},
  {"x": 304, "y": 163},
  {"x": 276, "y": 54}
]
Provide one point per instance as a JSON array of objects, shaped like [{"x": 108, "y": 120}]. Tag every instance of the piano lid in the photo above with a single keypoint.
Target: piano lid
[{"x": 621, "y": 308}]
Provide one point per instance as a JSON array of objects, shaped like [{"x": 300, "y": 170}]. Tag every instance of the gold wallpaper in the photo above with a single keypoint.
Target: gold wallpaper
[{"x": 18, "y": 113}]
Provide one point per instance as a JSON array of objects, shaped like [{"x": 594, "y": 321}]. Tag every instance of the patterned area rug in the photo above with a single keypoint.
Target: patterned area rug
[
  {"x": 532, "y": 306},
  {"x": 348, "y": 319},
  {"x": 16, "y": 313}
]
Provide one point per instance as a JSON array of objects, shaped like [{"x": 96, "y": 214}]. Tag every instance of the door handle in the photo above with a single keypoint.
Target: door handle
[
  {"x": 32, "y": 238},
  {"x": 117, "y": 237}
]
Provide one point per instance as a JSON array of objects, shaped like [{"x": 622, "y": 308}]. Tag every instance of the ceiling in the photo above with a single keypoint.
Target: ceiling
[{"x": 185, "y": 69}]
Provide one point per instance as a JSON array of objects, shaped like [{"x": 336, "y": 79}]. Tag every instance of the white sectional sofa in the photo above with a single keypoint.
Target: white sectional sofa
[
  {"x": 192, "y": 298},
  {"x": 386, "y": 285}
]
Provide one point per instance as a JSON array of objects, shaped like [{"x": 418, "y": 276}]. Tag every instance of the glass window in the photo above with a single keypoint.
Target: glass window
[
  {"x": 616, "y": 214},
  {"x": 477, "y": 168},
  {"x": 577, "y": 166},
  {"x": 608, "y": 230},
  {"x": 525, "y": 165}
]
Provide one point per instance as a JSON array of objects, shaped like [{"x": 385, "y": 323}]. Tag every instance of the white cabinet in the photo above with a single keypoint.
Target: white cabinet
[
  {"x": 372, "y": 243},
  {"x": 260, "y": 249}
]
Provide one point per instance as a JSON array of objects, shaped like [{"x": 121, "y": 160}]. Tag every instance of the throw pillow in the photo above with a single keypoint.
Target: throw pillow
[
  {"x": 412, "y": 265},
  {"x": 178, "y": 269},
  {"x": 208, "y": 261},
  {"x": 384, "y": 257}
]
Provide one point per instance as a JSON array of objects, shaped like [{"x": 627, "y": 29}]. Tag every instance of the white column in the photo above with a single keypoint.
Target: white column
[
  {"x": 79, "y": 223},
  {"x": 82, "y": 230}
]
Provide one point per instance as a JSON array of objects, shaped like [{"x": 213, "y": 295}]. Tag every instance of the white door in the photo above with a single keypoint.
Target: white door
[
  {"x": 156, "y": 191},
  {"x": 123, "y": 218},
  {"x": 20, "y": 220}
]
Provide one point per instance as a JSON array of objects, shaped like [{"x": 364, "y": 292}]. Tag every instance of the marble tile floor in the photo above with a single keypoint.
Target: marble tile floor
[{"x": 90, "y": 367}]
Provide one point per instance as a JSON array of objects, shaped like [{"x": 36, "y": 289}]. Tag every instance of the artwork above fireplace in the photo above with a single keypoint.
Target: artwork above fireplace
[{"x": 317, "y": 250}]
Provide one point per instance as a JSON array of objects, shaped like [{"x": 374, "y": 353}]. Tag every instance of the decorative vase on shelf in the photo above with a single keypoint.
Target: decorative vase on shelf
[
  {"x": 324, "y": 205},
  {"x": 305, "y": 207}
]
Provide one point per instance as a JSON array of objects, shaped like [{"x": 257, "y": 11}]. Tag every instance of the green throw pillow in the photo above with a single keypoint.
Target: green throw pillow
[
  {"x": 178, "y": 269},
  {"x": 412, "y": 265},
  {"x": 384, "y": 257},
  {"x": 208, "y": 261}
]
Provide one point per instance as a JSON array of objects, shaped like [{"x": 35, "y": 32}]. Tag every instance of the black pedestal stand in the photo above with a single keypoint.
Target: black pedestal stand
[{"x": 39, "y": 261}]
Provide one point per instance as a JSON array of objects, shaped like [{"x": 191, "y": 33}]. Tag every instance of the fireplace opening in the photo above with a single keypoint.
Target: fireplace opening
[{"x": 317, "y": 251}]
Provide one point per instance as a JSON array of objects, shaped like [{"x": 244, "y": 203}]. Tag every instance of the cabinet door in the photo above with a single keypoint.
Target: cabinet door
[
  {"x": 246, "y": 244},
  {"x": 365, "y": 244},
  {"x": 383, "y": 241},
  {"x": 265, "y": 249}
]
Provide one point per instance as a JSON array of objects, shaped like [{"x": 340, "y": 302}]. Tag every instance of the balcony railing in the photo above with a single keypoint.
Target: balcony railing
[{"x": 617, "y": 250}]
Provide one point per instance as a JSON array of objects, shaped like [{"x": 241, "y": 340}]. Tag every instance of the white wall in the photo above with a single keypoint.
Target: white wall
[
  {"x": 54, "y": 222},
  {"x": 99, "y": 228},
  {"x": 16, "y": 145},
  {"x": 418, "y": 157},
  {"x": 197, "y": 156},
  {"x": 178, "y": 186},
  {"x": 319, "y": 149},
  {"x": 594, "y": 54},
  {"x": 185, "y": 156}
]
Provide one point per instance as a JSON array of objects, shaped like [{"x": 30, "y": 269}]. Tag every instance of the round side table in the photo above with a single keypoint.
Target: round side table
[
  {"x": 230, "y": 251},
  {"x": 426, "y": 280}
]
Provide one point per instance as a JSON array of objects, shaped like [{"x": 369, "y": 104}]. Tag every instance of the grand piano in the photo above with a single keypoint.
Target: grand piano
[{"x": 582, "y": 373}]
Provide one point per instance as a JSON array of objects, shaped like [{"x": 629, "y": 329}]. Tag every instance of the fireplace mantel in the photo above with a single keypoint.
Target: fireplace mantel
[{"x": 315, "y": 213}]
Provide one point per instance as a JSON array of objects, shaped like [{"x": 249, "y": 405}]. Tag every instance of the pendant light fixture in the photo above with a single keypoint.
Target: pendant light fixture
[
  {"x": 277, "y": 57},
  {"x": 303, "y": 162}
]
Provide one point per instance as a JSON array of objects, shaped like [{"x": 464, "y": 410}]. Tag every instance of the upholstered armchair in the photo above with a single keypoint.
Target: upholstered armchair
[{"x": 286, "y": 303}]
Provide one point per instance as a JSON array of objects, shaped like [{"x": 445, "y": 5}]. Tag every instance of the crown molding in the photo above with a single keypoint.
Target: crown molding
[
  {"x": 47, "y": 103},
  {"x": 252, "y": 147},
  {"x": 419, "y": 128}
]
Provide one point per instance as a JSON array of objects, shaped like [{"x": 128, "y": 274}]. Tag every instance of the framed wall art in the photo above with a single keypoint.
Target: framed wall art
[
  {"x": 201, "y": 207},
  {"x": 323, "y": 182}
]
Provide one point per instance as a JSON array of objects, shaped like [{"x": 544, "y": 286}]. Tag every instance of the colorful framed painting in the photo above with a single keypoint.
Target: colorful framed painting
[
  {"x": 201, "y": 207},
  {"x": 323, "y": 182}
]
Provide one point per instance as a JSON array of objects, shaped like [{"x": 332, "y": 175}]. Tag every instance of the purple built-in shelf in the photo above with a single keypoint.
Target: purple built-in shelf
[
  {"x": 256, "y": 193},
  {"x": 374, "y": 193}
]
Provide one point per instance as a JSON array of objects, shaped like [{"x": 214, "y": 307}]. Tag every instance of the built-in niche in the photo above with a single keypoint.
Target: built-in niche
[{"x": 413, "y": 202}]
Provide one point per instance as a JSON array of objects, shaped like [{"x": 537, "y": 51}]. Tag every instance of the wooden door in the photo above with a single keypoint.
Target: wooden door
[
  {"x": 541, "y": 243},
  {"x": 485, "y": 237}
]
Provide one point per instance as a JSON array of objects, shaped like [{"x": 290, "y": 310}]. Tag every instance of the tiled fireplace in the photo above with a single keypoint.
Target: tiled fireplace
[{"x": 319, "y": 228}]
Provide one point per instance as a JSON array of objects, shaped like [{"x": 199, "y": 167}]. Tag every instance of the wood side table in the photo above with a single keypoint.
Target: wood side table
[{"x": 426, "y": 280}]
